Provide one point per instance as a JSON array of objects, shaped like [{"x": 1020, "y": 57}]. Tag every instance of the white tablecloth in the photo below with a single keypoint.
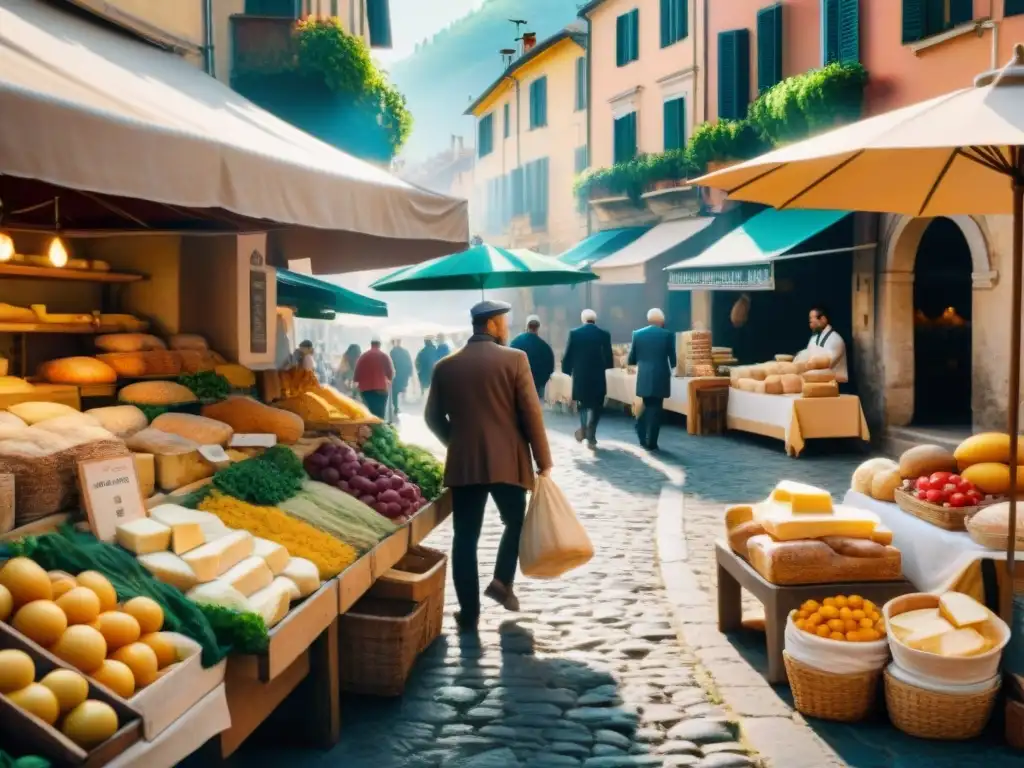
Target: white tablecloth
[
  {"x": 559, "y": 389},
  {"x": 776, "y": 410},
  {"x": 622, "y": 389},
  {"x": 795, "y": 419},
  {"x": 933, "y": 559}
]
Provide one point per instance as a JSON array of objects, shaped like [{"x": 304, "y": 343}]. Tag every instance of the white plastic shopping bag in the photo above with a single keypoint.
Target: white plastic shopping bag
[{"x": 553, "y": 541}]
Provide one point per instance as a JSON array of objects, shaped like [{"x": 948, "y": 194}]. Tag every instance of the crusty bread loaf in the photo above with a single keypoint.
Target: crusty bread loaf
[
  {"x": 819, "y": 362},
  {"x": 792, "y": 384},
  {"x": 773, "y": 385},
  {"x": 77, "y": 370},
  {"x": 788, "y": 368},
  {"x": 128, "y": 365},
  {"x": 746, "y": 385},
  {"x": 820, "y": 389},
  {"x": 784, "y": 358},
  {"x": 819, "y": 376},
  {"x": 189, "y": 341},
  {"x": 128, "y": 342},
  {"x": 757, "y": 372},
  {"x": 760, "y": 388}
]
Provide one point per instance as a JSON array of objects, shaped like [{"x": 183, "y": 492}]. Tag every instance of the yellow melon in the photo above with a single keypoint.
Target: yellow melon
[
  {"x": 987, "y": 448},
  {"x": 70, "y": 688},
  {"x": 101, "y": 585},
  {"x": 992, "y": 478},
  {"x": 90, "y": 723},
  {"x": 41, "y": 621},
  {"x": 82, "y": 647},
  {"x": 26, "y": 581},
  {"x": 17, "y": 670},
  {"x": 80, "y": 605}
]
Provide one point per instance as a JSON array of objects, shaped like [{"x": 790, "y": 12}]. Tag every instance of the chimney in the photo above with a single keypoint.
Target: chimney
[{"x": 529, "y": 41}]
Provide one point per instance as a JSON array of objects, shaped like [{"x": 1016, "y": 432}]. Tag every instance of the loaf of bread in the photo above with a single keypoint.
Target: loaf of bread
[
  {"x": 792, "y": 384},
  {"x": 819, "y": 376},
  {"x": 819, "y": 362},
  {"x": 200, "y": 429},
  {"x": 786, "y": 369},
  {"x": 77, "y": 370},
  {"x": 161, "y": 363},
  {"x": 156, "y": 393},
  {"x": 923, "y": 460},
  {"x": 757, "y": 372},
  {"x": 741, "y": 534},
  {"x": 865, "y": 473},
  {"x": 783, "y": 358},
  {"x": 746, "y": 385},
  {"x": 39, "y": 410},
  {"x": 189, "y": 341},
  {"x": 809, "y": 561},
  {"x": 760, "y": 387},
  {"x": 844, "y": 545},
  {"x": 773, "y": 385},
  {"x": 128, "y": 342},
  {"x": 120, "y": 420},
  {"x": 128, "y": 365},
  {"x": 884, "y": 484},
  {"x": 825, "y": 389}
]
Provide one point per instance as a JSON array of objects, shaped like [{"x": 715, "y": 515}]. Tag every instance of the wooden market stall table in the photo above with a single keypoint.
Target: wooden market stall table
[
  {"x": 795, "y": 419},
  {"x": 622, "y": 389}
]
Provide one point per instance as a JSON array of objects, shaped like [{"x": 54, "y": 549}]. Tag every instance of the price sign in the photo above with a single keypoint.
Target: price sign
[
  {"x": 253, "y": 440},
  {"x": 110, "y": 494}
]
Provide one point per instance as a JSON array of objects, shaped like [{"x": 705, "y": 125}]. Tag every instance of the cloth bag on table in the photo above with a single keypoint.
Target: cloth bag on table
[{"x": 553, "y": 541}]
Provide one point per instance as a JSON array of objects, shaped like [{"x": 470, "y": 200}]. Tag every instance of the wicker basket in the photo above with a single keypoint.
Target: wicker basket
[
  {"x": 418, "y": 577},
  {"x": 1015, "y": 724},
  {"x": 378, "y": 642},
  {"x": 939, "y": 716},
  {"x": 947, "y": 518},
  {"x": 828, "y": 696},
  {"x": 997, "y": 541}
]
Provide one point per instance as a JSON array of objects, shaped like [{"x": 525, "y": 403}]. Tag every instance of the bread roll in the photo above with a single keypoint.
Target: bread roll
[
  {"x": 746, "y": 385},
  {"x": 819, "y": 362},
  {"x": 773, "y": 385},
  {"x": 801, "y": 367},
  {"x": 884, "y": 484},
  {"x": 772, "y": 369},
  {"x": 757, "y": 372},
  {"x": 783, "y": 358},
  {"x": 77, "y": 370},
  {"x": 760, "y": 388},
  {"x": 128, "y": 342},
  {"x": 822, "y": 389},
  {"x": 788, "y": 368},
  {"x": 865, "y": 473},
  {"x": 792, "y": 384},
  {"x": 819, "y": 376}
]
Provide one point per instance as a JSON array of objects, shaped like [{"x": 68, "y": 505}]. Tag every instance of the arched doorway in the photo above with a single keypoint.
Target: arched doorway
[{"x": 942, "y": 326}]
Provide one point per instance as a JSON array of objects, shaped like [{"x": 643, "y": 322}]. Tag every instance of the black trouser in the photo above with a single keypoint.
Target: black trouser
[
  {"x": 590, "y": 416},
  {"x": 648, "y": 426},
  {"x": 377, "y": 402},
  {"x": 468, "y": 505},
  {"x": 395, "y": 392}
]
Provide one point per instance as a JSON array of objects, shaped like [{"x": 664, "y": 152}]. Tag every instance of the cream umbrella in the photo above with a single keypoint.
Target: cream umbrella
[{"x": 962, "y": 153}]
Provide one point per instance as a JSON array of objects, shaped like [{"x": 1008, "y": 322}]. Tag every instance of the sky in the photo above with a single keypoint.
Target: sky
[{"x": 414, "y": 20}]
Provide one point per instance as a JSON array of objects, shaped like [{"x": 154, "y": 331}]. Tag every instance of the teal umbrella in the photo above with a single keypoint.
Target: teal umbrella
[
  {"x": 319, "y": 300},
  {"x": 483, "y": 267}
]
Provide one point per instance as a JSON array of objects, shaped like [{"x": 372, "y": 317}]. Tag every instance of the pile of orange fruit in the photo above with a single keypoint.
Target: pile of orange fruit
[{"x": 850, "y": 619}]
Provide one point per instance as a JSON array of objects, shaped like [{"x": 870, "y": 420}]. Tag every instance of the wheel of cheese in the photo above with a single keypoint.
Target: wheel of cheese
[
  {"x": 817, "y": 376},
  {"x": 987, "y": 447},
  {"x": 773, "y": 385},
  {"x": 77, "y": 370},
  {"x": 923, "y": 460}
]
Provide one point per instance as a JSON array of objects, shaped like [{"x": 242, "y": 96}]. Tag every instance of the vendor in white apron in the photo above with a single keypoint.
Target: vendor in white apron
[{"x": 826, "y": 341}]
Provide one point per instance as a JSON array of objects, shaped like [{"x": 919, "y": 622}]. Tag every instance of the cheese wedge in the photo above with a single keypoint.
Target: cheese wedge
[
  {"x": 145, "y": 470},
  {"x": 272, "y": 602},
  {"x": 172, "y": 514},
  {"x": 143, "y": 536},
  {"x": 926, "y": 633},
  {"x": 803, "y": 499},
  {"x": 783, "y": 525},
  {"x": 185, "y": 537},
  {"x": 275, "y": 556},
  {"x": 219, "y": 592},
  {"x": 170, "y": 569},
  {"x": 955, "y": 644},
  {"x": 961, "y": 610},
  {"x": 250, "y": 575},
  {"x": 882, "y": 535},
  {"x": 215, "y": 557},
  {"x": 910, "y": 620},
  {"x": 304, "y": 573},
  {"x": 293, "y": 590}
]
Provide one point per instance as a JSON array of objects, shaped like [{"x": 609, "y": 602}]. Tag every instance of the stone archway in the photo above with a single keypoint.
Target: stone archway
[{"x": 900, "y": 241}]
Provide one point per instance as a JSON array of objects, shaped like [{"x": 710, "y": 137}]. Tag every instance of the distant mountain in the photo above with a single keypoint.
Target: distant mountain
[{"x": 451, "y": 68}]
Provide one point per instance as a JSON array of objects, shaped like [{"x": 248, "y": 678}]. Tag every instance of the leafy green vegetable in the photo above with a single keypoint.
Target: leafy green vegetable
[
  {"x": 206, "y": 385},
  {"x": 152, "y": 411},
  {"x": 264, "y": 480},
  {"x": 419, "y": 464},
  {"x": 340, "y": 515},
  {"x": 28, "y": 761},
  {"x": 243, "y": 632}
]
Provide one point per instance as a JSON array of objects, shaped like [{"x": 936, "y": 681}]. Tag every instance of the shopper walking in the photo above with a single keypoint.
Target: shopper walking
[
  {"x": 653, "y": 351},
  {"x": 538, "y": 352},
  {"x": 483, "y": 407},
  {"x": 443, "y": 350},
  {"x": 426, "y": 359},
  {"x": 402, "y": 361},
  {"x": 373, "y": 376},
  {"x": 588, "y": 355}
]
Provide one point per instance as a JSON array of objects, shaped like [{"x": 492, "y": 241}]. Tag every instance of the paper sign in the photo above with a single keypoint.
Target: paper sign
[
  {"x": 254, "y": 440},
  {"x": 6, "y": 502},
  {"x": 214, "y": 454},
  {"x": 110, "y": 494}
]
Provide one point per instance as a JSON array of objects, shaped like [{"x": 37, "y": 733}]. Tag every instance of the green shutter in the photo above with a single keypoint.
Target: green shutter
[
  {"x": 634, "y": 33},
  {"x": 378, "y": 16},
  {"x": 733, "y": 73},
  {"x": 620, "y": 41},
  {"x": 674, "y": 112},
  {"x": 666, "y": 23},
  {"x": 625, "y": 138},
  {"x": 934, "y": 17},
  {"x": 960, "y": 12},
  {"x": 913, "y": 20},
  {"x": 830, "y": 28},
  {"x": 769, "y": 47},
  {"x": 581, "y": 83},
  {"x": 542, "y": 102},
  {"x": 580, "y": 161},
  {"x": 849, "y": 31},
  {"x": 1013, "y": 7}
]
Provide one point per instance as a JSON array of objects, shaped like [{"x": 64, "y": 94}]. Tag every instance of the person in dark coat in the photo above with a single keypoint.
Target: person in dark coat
[
  {"x": 653, "y": 352},
  {"x": 402, "y": 361},
  {"x": 538, "y": 352},
  {"x": 443, "y": 350},
  {"x": 426, "y": 359},
  {"x": 588, "y": 355}
]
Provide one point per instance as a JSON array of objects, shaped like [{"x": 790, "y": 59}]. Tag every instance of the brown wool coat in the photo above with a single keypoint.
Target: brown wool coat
[{"x": 484, "y": 407}]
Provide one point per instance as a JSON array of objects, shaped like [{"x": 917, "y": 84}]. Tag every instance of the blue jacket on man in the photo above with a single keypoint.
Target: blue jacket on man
[
  {"x": 587, "y": 356},
  {"x": 654, "y": 353},
  {"x": 540, "y": 355}
]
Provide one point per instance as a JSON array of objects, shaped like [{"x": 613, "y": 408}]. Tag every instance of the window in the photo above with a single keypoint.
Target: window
[
  {"x": 674, "y": 24},
  {"x": 674, "y": 111},
  {"x": 287, "y": 8},
  {"x": 334, "y": 8},
  {"x": 627, "y": 38},
  {"x": 535, "y": 183},
  {"x": 581, "y": 161},
  {"x": 378, "y": 16},
  {"x": 508, "y": 121},
  {"x": 769, "y": 47},
  {"x": 840, "y": 22},
  {"x": 733, "y": 74},
  {"x": 1014, "y": 7},
  {"x": 539, "y": 103},
  {"x": 485, "y": 135},
  {"x": 924, "y": 18},
  {"x": 624, "y": 138},
  {"x": 518, "y": 193},
  {"x": 581, "y": 83}
]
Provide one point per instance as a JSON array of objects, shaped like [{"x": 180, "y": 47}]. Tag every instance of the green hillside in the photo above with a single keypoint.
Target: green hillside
[{"x": 450, "y": 69}]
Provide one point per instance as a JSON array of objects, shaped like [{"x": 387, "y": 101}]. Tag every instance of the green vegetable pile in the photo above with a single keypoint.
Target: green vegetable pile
[
  {"x": 219, "y": 631},
  {"x": 206, "y": 385},
  {"x": 418, "y": 463},
  {"x": 340, "y": 515},
  {"x": 28, "y": 761},
  {"x": 152, "y": 411},
  {"x": 265, "y": 480}
]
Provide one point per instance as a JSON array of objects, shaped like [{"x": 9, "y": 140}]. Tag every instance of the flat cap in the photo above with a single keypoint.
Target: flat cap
[{"x": 487, "y": 309}]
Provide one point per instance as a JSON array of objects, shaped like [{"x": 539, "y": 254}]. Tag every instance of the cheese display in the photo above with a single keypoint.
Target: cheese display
[
  {"x": 144, "y": 536},
  {"x": 272, "y": 602},
  {"x": 958, "y": 627},
  {"x": 274, "y": 555},
  {"x": 214, "y": 558},
  {"x": 77, "y": 370},
  {"x": 304, "y": 574},
  {"x": 173, "y": 515},
  {"x": 145, "y": 471},
  {"x": 177, "y": 459},
  {"x": 248, "y": 576},
  {"x": 170, "y": 569}
]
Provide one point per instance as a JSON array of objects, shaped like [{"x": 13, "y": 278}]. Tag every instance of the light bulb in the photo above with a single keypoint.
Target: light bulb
[
  {"x": 6, "y": 247},
  {"x": 58, "y": 253}
]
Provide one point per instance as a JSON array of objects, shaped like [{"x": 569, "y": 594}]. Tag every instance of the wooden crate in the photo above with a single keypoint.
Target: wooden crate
[{"x": 418, "y": 577}]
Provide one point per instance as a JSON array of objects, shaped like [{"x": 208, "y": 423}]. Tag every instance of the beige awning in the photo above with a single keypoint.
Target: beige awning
[
  {"x": 627, "y": 266},
  {"x": 88, "y": 108}
]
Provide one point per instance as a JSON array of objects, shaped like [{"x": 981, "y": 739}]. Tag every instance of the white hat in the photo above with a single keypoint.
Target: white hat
[
  {"x": 588, "y": 316},
  {"x": 532, "y": 319},
  {"x": 375, "y": 339},
  {"x": 655, "y": 316}
]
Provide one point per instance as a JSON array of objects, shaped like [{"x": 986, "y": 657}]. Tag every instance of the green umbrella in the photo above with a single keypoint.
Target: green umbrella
[
  {"x": 483, "y": 267},
  {"x": 319, "y": 300}
]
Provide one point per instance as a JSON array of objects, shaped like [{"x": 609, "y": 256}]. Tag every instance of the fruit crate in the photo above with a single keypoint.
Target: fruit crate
[
  {"x": 418, "y": 577},
  {"x": 947, "y": 518}
]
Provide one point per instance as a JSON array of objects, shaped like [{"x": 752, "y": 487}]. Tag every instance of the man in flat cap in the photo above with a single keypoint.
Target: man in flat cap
[
  {"x": 483, "y": 406},
  {"x": 538, "y": 352},
  {"x": 587, "y": 356}
]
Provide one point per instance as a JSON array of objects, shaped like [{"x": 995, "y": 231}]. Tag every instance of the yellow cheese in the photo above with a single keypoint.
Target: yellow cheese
[
  {"x": 175, "y": 471},
  {"x": 955, "y": 643},
  {"x": 173, "y": 514},
  {"x": 304, "y": 573},
  {"x": 185, "y": 537},
  {"x": 170, "y": 569},
  {"x": 249, "y": 576},
  {"x": 274, "y": 555},
  {"x": 143, "y": 536},
  {"x": 961, "y": 610},
  {"x": 803, "y": 499},
  {"x": 218, "y": 592},
  {"x": 272, "y": 602},
  {"x": 779, "y": 521},
  {"x": 904, "y": 624},
  {"x": 145, "y": 469},
  {"x": 293, "y": 590},
  {"x": 214, "y": 558},
  {"x": 927, "y": 632}
]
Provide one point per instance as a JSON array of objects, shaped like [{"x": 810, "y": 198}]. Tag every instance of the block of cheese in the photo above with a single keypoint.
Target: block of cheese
[
  {"x": 177, "y": 459},
  {"x": 905, "y": 624},
  {"x": 274, "y": 555},
  {"x": 219, "y": 592},
  {"x": 185, "y": 537},
  {"x": 804, "y": 499},
  {"x": 814, "y": 389},
  {"x": 170, "y": 569},
  {"x": 882, "y": 535},
  {"x": 250, "y": 575},
  {"x": 145, "y": 469},
  {"x": 173, "y": 514},
  {"x": 215, "y": 557},
  {"x": 954, "y": 643},
  {"x": 293, "y": 590},
  {"x": 781, "y": 523},
  {"x": 272, "y": 602},
  {"x": 143, "y": 536},
  {"x": 961, "y": 610},
  {"x": 304, "y": 573}
]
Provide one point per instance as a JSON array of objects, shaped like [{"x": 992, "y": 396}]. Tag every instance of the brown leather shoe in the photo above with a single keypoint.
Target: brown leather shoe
[{"x": 502, "y": 595}]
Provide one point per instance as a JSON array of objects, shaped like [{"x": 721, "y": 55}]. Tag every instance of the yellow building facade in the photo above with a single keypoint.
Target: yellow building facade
[{"x": 531, "y": 137}]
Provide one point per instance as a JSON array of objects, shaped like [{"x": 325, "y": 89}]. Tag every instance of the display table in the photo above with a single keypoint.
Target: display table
[
  {"x": 558, "y": 390},
  {"x": 795, "y": 419},
  {"x": 622, "y": 389},
  {"x": 621, "y": 386}
]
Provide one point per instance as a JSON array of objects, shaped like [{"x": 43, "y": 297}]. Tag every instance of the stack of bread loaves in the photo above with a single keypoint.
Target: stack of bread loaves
[{"x": 693, "y": 353}]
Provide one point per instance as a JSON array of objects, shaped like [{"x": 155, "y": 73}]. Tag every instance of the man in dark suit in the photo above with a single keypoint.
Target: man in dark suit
[
  {"x": 587, "y": 356},
  {"x": 538, "y": 352},
  {"x": 653, "y": 352},
  {"x": 483, "y": 406}
]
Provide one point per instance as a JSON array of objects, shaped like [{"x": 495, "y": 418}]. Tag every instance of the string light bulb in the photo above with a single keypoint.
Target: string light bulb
[
  {"x": 6, "y": 247},
  {"x": 58, "y": 254}
]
